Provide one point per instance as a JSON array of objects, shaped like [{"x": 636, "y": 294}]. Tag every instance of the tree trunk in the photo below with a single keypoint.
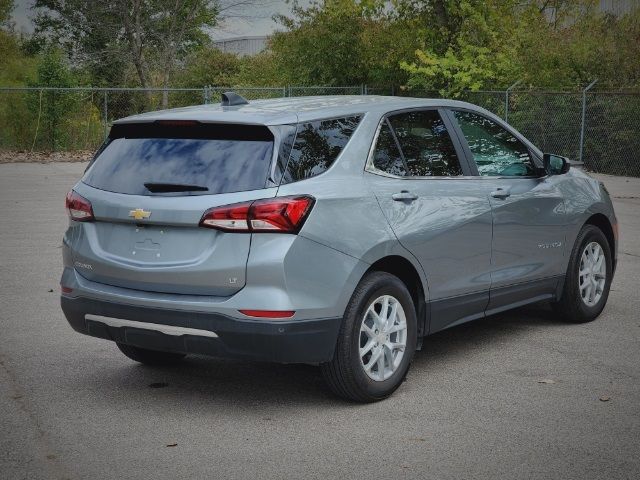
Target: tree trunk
[{"x": 133, "y": 31}]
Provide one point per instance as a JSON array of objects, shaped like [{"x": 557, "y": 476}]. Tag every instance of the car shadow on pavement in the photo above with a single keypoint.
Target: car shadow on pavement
[
  {"x": 505, "y": 326},
  {"x": 245, "y": 385}
]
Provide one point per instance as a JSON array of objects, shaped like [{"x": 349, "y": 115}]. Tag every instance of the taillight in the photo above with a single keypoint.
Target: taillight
[
  {"x": 78, "y": 207},
  {"x": 276, "y": 215}
]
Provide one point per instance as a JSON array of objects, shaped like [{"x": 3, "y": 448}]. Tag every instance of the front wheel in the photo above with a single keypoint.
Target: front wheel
[
  {"x": 376, "y": 342},
  {"x": 588, "y": 278}
]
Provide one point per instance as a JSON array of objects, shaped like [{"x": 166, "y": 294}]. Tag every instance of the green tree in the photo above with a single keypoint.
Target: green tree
[
  {"x": 343, "y": 42},
  {"x": 261, "y": 70},
  {"x": 151, "y": 36},
  {"x": 6, "y": 7},
  {"x": 208, "y": 66},
  {"x": 323, "y": 43},
  {"x": 469, "y": 46},
  {"x": 51, "y": 108}
]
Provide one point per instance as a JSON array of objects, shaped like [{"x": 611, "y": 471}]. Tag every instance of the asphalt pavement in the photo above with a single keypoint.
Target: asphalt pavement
[{"x": 517, "y": 395}]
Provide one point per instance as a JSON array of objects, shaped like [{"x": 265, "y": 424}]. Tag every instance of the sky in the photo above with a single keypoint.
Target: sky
[{"x": 260, "y": 22}]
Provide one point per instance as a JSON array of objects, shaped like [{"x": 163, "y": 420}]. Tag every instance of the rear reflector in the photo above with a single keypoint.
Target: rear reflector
[
  {"x": 268, "y": 313},
  {"x": 78, "y": 207},
  {"x": 65, "y": 289},
  {"x": 275, "y": 215}
]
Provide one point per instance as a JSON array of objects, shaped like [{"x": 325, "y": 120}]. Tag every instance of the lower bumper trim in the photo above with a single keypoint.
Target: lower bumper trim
[
  {"x": 213, "y": 334},
  {"x": 166, "y": 329}
]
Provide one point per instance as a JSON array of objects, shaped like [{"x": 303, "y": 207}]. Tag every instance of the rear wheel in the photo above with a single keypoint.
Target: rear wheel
[
  {"x": 588, "y": 278},
  {"x": 150, "y": 357},
  {"x": 377, "y": 340}
]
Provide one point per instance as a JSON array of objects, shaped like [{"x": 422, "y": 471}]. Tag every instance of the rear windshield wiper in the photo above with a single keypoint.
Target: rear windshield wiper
[{"x": 174, "y": 187}]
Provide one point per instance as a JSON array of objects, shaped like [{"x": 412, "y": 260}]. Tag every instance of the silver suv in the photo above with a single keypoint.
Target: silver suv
[{"x": 336, "y": 231}]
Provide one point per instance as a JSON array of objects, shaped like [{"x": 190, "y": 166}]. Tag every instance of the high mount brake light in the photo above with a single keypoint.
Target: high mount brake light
[
  {"x": 178, "y": 123},
  {"x": 275, "y": 215},
  {"x": 78, "y": 207}
]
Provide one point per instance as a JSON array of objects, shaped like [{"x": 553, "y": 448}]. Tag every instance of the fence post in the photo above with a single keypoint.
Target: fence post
[
  {"x": 506, "y": 99},
  {"x": 284, "y": 92},
  {"x": 584, "y": 114},
  {"x": 205, "y": 96},
  {"x": 106, "y": 132}
]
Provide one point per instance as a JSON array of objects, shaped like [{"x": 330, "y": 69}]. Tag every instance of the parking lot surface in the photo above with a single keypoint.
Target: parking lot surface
[{"x": 518, "y": 395}]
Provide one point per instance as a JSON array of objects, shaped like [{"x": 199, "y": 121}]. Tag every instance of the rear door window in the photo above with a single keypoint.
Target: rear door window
[
  {"x": 425, "y": 144},
  {"x": 317, "y": 145},
  {"x": 213, "y": 158}
]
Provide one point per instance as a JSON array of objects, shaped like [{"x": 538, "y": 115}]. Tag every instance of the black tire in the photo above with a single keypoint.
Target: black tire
[
  {"x": 344, "y": 374},
  {"x": 150, "y": 357},
  {"x": 570, "y": 306}
]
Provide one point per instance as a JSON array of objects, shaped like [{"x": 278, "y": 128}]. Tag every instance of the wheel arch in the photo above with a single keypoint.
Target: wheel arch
[
  {"x": 604, "y": 224},
  {"x": 410, "y": 276}
]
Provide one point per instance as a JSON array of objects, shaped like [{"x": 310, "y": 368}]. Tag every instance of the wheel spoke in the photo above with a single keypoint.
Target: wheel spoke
[
  {"x": 388, "y": 353},
  {"x": 367, "y": 329},
  {"x": 384, "y": 311},
  {"x": 367, "y": 348},
  {"x": 396, "y": 346},
  {"x": 397, "y": 328},
  {"x": 373, "y": 360},
  {"x": 377, "y": 320},
  {"x": 392, "y": 316},
  {"x": 381, "y": 364},
  {"x": 599, "y": 263}
]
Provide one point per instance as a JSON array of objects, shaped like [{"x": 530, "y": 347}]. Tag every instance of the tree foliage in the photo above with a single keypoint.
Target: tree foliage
[
  {"x": 150, "y": 36},
  {"x": 6, "y": 7},
  {"x": 447, "y": 46}
]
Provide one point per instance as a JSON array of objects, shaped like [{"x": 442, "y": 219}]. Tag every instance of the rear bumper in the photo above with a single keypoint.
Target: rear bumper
[{"x": 214, "y": 334}]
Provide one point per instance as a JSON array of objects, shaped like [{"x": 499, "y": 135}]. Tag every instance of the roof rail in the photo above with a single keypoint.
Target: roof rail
[{"x": 229, "y": 99}]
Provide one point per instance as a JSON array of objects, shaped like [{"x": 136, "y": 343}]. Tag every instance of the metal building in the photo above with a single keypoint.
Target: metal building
[{"x": 243, "y": 45}]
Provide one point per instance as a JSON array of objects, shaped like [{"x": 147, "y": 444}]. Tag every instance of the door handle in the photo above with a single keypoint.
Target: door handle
[
  {"x": 404, "y": 196},
  {"x": 501, "y": 193}
]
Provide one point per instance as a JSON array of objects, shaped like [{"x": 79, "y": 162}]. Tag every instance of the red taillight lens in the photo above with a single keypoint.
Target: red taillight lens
[
  {"x": 231, "y": 218},
  {"x": 276, "y": 215},
  {"x": 78, "y": 207}
]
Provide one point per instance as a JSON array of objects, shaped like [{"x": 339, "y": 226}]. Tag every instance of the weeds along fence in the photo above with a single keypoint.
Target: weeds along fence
[{"x": 602, "y": 129}]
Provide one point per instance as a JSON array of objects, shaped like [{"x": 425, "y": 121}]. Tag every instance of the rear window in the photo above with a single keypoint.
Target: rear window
[
  {"x": 214, "y": 158},
  {"x": 317, "y": 145}
]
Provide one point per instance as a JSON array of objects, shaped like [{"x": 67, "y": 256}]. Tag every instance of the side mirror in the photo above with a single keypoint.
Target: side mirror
[{"x": 555, "y": 164}]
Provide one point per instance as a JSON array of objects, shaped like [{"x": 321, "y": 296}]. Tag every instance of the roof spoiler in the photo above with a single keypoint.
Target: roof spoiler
[{"x": 230, "y": 99}]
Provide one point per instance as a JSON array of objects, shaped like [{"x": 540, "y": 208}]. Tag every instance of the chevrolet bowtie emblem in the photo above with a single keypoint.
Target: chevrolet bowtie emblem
[{"x": 139, "y": 214}]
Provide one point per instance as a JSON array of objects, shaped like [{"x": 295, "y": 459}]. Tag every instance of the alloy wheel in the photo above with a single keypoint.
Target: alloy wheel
[
  {"x": 383, "y": 338},
  {"x": 592, "y": 274}
]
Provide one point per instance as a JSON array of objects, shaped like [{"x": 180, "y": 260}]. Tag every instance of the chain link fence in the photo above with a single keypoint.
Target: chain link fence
[
  {"x": 599, "y": 128},
  {"x": 320, "y": 90}
]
